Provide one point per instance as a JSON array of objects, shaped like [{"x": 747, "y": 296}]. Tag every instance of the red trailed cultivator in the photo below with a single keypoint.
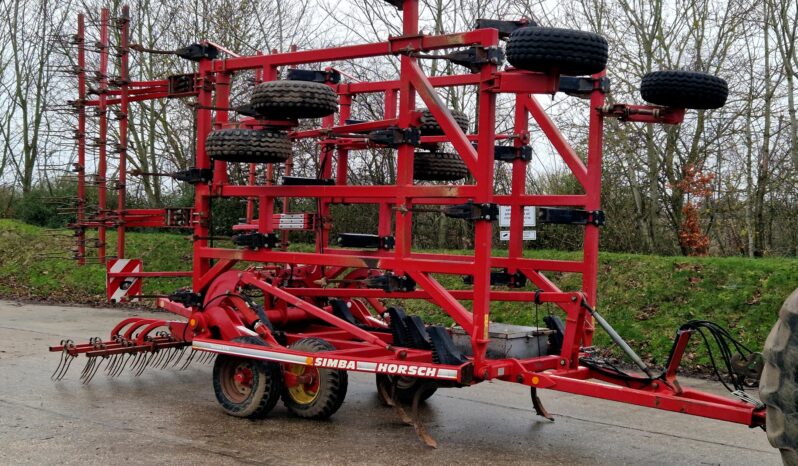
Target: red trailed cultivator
[{"x": 291, "y": 324}]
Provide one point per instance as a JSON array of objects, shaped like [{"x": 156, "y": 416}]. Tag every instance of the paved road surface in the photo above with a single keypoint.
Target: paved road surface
[{"x": 170, "y": 417}]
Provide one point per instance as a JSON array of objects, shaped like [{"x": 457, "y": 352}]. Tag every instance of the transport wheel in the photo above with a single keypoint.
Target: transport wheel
[
  {"x": 313, "y": 393},
  {"x": 246, "y": 387},
  {"x": 294, "y": 99},
  {"x": 404, "y": 388},
  {"x": 438, "y": 166},
  {"x": 778, "y": 387},
  {"x": 684, "y": 89},
  {"x": 564, "y": 51},
  {"x": 430, "y": 127},
  {"x": 248, "y": 145}
]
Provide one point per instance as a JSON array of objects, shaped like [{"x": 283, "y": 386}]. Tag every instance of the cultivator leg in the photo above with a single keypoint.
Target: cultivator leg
[{"x": 135, "y": 344}]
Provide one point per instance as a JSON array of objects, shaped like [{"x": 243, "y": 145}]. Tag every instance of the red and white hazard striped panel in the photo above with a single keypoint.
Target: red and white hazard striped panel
[{"x": 119, "y": 285}]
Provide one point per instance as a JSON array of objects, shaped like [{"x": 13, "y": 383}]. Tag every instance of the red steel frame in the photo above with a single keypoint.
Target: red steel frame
[{"x": 296, "y": 298}]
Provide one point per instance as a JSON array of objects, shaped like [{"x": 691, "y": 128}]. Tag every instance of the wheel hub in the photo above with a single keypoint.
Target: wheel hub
[{"x": 302, "y": 383}]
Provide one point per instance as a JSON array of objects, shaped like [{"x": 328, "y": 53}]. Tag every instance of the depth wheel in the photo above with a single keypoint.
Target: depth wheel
[
  {"x": 246, "y": 387},
  {"x": 778, "y": 386},
  {"x": 294, "y": 99},
  {"x": 404, "y": 388},
  {"x": 438, "y": 166},
  {"x": 684, "y": 89},
  {"x": 430, "y": 127},
  {"x": 248, "y": 145},
  {"x": 555, "y": 50},
  {"x": 313, "y": 393}
]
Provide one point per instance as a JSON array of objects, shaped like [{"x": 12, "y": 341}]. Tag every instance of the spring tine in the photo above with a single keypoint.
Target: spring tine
[
  {"x": 136, "y": 362},
  {"x": 188, "y": 360},
  {"x": 172, "y": 353},
  {"x": 95, "y": 370},
  {"x": 87, "y": 368},
  {"x": 180, "y": 355},
  {"x": 61, "y": 361},
  {"x": 90, "y": 370},
  {"x": 145, "y": 364},
  {"x": 113, "y": 360},
  {"x": 128, "y": 357},
  {"x": 65, "y": 367},
  {"x": 120, "y": 358}
]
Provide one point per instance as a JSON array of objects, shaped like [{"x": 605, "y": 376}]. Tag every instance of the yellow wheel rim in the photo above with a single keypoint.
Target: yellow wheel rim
[{"x": 304, "y": 393}]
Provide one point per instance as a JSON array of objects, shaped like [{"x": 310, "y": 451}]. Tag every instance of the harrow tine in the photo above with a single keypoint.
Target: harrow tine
[
  {"x": 180, "y": 353},
  {"x": 91, "y": 369},
  {"x": 173, "y": 352},
  {"x": 145, "y": 364},
  {"x": 120, "y": 364},
  {"x": 111, "y": 366},
  {"x": 137, "y": 362},
  {"x": 63, "y": 363},
  {"x": 188, "y": 360}
]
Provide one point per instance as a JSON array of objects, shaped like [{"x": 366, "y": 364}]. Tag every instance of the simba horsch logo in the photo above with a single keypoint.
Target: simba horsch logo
[{"x": 385, "y": 368}]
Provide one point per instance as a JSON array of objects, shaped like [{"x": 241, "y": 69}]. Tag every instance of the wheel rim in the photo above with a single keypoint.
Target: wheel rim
[
  {"x": 237, "y": 381},
  {"x": 306, "y": 389}
]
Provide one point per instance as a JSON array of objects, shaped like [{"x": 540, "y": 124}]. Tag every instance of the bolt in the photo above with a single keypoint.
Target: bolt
[
  {"x": 562, "y": 362},
  {"x": 402, "y": 354}
]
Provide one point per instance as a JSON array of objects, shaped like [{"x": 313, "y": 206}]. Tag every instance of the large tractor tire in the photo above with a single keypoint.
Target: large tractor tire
[
  {"x": 430, "y": 127},
  {"x": 555, "y": 50},
  {"x": 778, "y": 387},
  {"x": 246, "y": 387},
  {"x": 294, "y": 99},
  {"x": 248, "y": 145},
  {"x": 323, "y": 392},
  {"x": 684, "y": 89},
  {"x": 438, "y": 166}
]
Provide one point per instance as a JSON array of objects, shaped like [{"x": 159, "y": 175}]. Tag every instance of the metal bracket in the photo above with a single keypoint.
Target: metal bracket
[
  {"x": 316, "y": 76},
  {"x": 475, "y": 56},
  {"x": 395, "y": 136},
  {"x": 364, "y": 240},
  {"x": 256, "y": 240},
  {"x": 582, "y": 87},
  {"x": 302, "y": 181},
  {"x": 390, "y": 282},
  {"x": 505, "y": 28},
  {"x": 186, "y": 298},
  {"x": 180, "y": 85},
  {"x": 559, "y": 216},
  {"x": 194, "y": 175},
  {"x": 472, "y": 211},
  {"x": 196, "y": 52},
  {"x": 511, "y": 153},
  {"x": 501, "y": 278}
]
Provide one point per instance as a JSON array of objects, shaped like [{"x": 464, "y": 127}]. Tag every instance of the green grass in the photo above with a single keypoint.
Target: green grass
[{"x": 645, "y": 298}]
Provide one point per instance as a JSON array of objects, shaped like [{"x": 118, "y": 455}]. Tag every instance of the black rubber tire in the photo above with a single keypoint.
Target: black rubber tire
[
  {"x": 684, "y": 89},
  {"x": 405, "y": 388},
  {"x": 332, "y": 386},
  {"x": 778, "y": 387},
  {"x": 438, "y": 166},
  {"x": 563, "y": 51},
  {"x": 266, "y": 384},
  {"x": 293, "y": 99},
  {"x": 248, "y": 145},
  {"x": 430, "y": 127}
]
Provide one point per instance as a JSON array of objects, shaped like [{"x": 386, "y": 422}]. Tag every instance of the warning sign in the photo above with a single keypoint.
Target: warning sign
[{"x": 504, "y": 216}]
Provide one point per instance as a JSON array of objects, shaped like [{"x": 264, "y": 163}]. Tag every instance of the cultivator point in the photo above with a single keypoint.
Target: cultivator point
[{"x": 135, "y": 344}]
